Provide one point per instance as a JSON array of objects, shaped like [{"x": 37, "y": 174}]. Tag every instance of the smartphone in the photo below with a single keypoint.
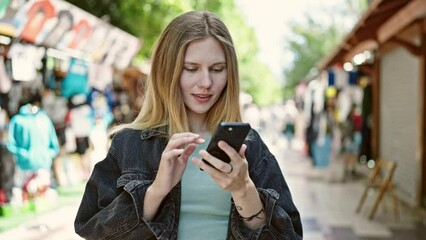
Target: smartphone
[{"x": 233, "y": 133}]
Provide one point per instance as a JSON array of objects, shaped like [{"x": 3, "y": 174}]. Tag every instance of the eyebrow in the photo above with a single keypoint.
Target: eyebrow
[{"x": 193, "y": 63}]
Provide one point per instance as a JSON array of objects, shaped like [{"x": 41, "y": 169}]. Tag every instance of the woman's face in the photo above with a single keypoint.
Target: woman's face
[{"x": 204, "y": 75}]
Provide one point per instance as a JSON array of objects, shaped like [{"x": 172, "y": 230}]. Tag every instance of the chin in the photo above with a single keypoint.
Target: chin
[{"x": 199, "y": 111}]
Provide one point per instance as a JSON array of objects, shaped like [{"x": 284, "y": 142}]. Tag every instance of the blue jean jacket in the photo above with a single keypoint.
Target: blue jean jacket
[{"x": 112, "y": 204}]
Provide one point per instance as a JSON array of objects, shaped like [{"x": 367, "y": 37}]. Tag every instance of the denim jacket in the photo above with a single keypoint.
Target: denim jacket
[{"x": 112, "y": 205}]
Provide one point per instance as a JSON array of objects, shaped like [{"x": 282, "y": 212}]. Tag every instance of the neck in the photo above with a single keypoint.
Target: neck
[{"x": 198, "y": 124}]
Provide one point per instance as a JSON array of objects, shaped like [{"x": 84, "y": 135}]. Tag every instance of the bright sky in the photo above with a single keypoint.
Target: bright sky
[{"x": 269, "y": 19}]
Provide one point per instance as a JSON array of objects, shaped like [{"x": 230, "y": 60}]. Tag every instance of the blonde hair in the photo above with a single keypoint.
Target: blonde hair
[{"x": 163, "y": 104}]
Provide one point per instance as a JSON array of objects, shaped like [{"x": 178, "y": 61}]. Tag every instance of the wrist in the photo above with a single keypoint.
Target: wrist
[
  {"x": 245, "y": 191},
  {"x": 256, "y": 215},
  {"x": 155, "y": 192},
  {"x": 250, "y": 207}
]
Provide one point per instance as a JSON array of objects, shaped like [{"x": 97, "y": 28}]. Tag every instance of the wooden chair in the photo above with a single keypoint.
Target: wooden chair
[{"x": 381, "y": 180}]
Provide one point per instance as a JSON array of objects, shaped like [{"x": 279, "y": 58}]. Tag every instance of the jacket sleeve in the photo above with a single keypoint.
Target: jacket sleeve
[
  {"x": 111, "y": 207},
  {"x": 283, "y": 219}
]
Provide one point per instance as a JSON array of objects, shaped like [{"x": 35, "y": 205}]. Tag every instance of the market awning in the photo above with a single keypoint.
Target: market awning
[{"x": 381, "y": 22}]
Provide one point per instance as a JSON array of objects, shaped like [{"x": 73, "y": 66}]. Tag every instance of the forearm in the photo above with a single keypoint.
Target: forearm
[
  {"x": 250, "y": 207},
  {"x": 152, "y": 202}
]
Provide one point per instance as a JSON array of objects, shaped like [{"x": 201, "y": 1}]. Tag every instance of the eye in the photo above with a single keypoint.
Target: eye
[
  {"x": 217, "y": 69},
  {"x": 190, "y": 69}
]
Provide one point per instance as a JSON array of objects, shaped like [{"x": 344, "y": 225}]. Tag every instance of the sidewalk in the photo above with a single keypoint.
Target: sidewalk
[
  {"x": 327, "y": 204},
  {"x": 54, "y": 224},
  {"x": 327, "y": 207}
]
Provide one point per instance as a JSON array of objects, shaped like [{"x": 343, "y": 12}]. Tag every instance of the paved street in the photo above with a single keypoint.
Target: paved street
[{"x": 53, "y": 225}]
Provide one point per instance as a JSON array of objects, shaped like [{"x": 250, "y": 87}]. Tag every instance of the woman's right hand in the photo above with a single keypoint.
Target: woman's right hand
[{"x": 174, "y": 160}]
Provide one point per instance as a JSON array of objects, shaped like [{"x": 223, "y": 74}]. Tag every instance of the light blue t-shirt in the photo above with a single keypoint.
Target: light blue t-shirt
[{"x": 205, "y": 207}]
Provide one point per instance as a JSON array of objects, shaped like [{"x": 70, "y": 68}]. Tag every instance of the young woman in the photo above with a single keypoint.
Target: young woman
[{"x": 150, "y": 185}]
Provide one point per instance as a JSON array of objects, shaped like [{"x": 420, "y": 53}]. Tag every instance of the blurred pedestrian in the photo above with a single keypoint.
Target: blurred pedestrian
[
  {"x": 324, "y": 125},
  {"x": 290, "y": 115},
  {"x": 351, "y": 139},
  {"x": 144, "y": 188}
]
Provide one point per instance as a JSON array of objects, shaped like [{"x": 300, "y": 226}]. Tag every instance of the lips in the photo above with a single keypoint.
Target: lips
[{"x": 202, "y": 98}]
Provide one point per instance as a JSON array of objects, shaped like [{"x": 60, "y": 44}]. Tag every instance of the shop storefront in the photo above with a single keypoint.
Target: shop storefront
[
  {"x": 393, "y": 33},
  {"x": 64, "y": 61}
]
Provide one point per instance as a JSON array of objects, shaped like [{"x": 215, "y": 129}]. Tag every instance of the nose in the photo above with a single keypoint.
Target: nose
[{"x": 205, "y": 79}]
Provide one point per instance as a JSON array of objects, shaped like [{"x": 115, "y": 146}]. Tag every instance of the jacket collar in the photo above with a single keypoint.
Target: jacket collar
[{"x": 151, "y": 132}]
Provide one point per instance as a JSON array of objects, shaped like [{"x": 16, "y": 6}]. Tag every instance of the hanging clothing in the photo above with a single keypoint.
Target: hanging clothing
[
  {"x": 37, "y": 15},
  {"x": 322, "y": 145},
  {"x": 366, "y": 127},
  {"x": 100, "y": 76},
  {"x": 80, "y": 119},
  {"x": 7, "y": 163},
  {"x": 76, "y": 81},
  {"x": 81, "y": 32},
  {"x": 80, "y": 116},
  {"x": 5, "y": 81},
  {"x": 63, "y": 25},
  {"x": 7, "y": 171},
  {"x": 32, "y": 139},
  {"x": 26, "y": 59},
  {"x": 56, "y": 108}
]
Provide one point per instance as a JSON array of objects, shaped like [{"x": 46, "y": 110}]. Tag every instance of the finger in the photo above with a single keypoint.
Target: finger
[
  {"x": 185, "y": 137},
  {"x": 204, "y": 166},
  {"x": 181, "y": 139},
  {"x": 188, "y": 151},
  {"x": 215, "y": 163},
  {"x": 198, "y": 162},
  {"x": 173, "y": 154},
  {"x": 230, "y": 151},
  {"x": 242, "y": 151},
  {"x": 179, "y": 152},
  {"x": 183, "y": 157}
]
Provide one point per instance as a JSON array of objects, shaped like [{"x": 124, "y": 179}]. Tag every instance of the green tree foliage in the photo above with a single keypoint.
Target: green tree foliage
[
  {"x": 256, "y": 78},
  {"x": 146, "y": 18},
  {"x": 309, "y": 44},
  {"x": 317, "y": 37}
]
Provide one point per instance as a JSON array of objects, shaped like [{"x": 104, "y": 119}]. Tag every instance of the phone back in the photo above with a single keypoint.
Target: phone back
[{"x": 233, "y": 133}]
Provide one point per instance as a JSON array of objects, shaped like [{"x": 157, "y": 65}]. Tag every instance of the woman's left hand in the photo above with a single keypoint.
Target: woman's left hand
[{"x": 233, "y": 176}]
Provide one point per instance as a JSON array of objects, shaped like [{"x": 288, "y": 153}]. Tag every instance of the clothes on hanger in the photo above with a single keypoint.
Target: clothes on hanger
[
  {"x": 76, "y": 81},
  {"x": 32, "y": 138}
]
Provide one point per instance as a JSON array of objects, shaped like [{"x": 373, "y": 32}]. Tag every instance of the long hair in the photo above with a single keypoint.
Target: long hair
[{"x": 163, "y": 105}]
